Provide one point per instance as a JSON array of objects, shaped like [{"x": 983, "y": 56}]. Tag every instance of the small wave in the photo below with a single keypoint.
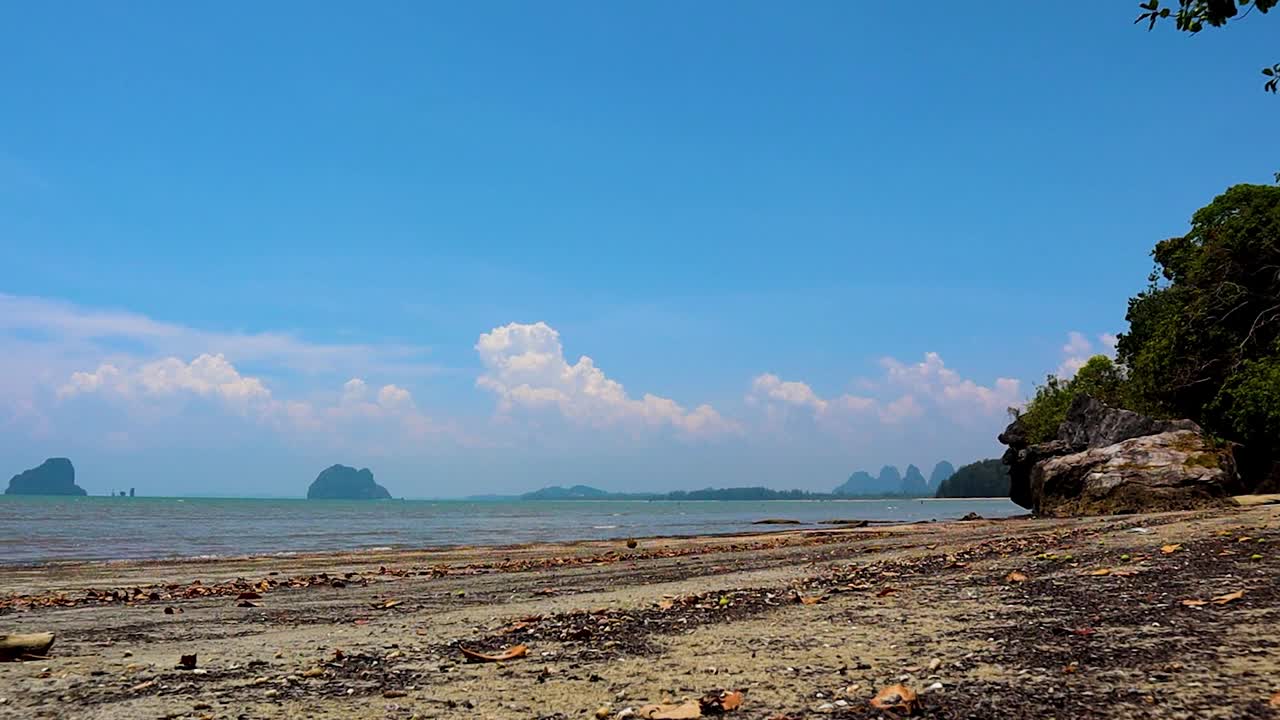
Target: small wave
[{"x": 604, "y": 527}]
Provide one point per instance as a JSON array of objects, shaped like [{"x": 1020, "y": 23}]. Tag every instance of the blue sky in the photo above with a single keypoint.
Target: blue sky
[{"x": 837, "y": 226}]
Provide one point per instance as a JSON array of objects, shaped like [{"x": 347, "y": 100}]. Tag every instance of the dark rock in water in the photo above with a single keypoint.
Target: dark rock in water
[
  {"x": 340, "y": 482},
  {"x": 971, "y": 516},
  {"x": 776, "y": 521},
  {"x": 55, "y": 476},
  {"x": 1109, "y": 461}
]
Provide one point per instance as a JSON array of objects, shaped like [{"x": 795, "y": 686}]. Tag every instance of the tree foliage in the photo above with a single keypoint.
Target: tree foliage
[
  {"x": 1099, "y": 377},
  {"x": 1192, "y": 16},
  {"x": 1204, "y": 338},
  {"x": 985, "y": 478}
]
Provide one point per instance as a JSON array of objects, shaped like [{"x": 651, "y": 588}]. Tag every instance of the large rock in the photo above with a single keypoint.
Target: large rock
[
  {"x": 340, "y": 482},
  {"x": 1107, "y": 460},
  {"x": 1178, "y": 470},
  {"x": 1091, "y": 423},
  {"x": 55, "y": 476}
]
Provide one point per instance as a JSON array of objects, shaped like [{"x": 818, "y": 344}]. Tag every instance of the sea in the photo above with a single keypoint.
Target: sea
[{"x": 40, "y": 530}]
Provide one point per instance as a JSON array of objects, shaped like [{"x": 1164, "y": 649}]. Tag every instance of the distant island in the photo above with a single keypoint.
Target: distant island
[
  {"x": 55, "y": 476},
  {"x": 890, "y": 482},
  {"x": 985, "y": 478},
  {"x": 339, "y": 482}
]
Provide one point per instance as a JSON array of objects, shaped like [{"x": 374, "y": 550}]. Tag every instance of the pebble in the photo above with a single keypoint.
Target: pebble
[
  {"x": 934, "y": 687},
  {"x": 934, "y": 664},
  {"x": 826, "y": 708}
]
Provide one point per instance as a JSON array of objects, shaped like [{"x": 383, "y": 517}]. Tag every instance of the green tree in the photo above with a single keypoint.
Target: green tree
[
  {"x": 1204, "y": 338},
  {"x": 1192, "y": 16},
  {"x": 985, "y": 478},
  {"x": 1099, "y": 377}
]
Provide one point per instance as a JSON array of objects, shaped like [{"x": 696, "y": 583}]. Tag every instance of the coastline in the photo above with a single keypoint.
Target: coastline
[{"x": 607, "y": 626}]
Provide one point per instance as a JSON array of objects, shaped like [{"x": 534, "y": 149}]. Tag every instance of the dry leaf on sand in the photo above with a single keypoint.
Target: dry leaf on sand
[
  {"x": 1173, "y": 548},
  {"x": 1016, "y": 577},
  {"x": 718, "y": 702},
  {"x": 896, "y": 697},
  {"x": 511, "y": 653},
  {"x": 1224, "y": 599}
]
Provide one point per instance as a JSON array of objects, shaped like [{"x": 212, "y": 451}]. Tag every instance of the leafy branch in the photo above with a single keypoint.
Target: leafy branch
[{"x": 1192, "y": 16}]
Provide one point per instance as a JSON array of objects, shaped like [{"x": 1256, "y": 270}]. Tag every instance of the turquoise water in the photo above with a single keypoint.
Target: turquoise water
[{"x": 44, "y": 529}]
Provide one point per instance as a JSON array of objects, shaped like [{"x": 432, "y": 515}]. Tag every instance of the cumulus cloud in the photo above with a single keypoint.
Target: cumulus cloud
[
  {"x": 215, "y": 378},
  {"x": 1079, "y": 348},
  {"x": 788, "y": 392},
  {"x": 525, "y": 367},
  {"x": 906, "y": 391},
  {"x": 206, "y": 376}
]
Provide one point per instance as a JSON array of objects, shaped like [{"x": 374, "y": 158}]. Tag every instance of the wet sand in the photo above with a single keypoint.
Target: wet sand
[{"x": 806, "y": 623}]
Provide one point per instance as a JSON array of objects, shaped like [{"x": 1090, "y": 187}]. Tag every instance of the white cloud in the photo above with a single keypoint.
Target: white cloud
[
  {"x": 1079, "y": 349},
  {"x": 906, "y": 392},
  {"x": 206, "y": 376},
  {"x": 525, "y": 367},
  {"x": 62, "y": 329},
  {"x": 214, "y": 377},
  {"x": 788, "y": 392}
]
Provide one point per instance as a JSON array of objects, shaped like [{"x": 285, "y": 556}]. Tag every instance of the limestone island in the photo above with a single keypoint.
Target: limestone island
[
  {"x": 55, "y": 476},
  {"x": 340, "y": 482}
]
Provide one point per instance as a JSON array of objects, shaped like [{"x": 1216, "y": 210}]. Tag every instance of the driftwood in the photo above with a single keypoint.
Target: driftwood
[{"x": 16, "y": 647}]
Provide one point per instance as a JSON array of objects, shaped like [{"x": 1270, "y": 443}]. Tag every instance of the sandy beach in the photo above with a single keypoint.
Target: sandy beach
[{"x": 1161, "y": 616}]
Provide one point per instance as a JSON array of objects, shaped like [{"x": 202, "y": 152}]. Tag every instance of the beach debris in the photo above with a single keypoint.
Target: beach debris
[
  {"x": 809, "y": 599},
  {"x": 1100, "y": 571},
  {"x": 1016, "y": 577},
  {"x": 313, "y": 672},
  {"x": 632, "y": 544},
  {"x": 187, "y": 662},
  {"x": 511, "y": 653},
  {"x": 886, "y": 590},
  {"x": 394, "y": 693},
  {"x": 972, "y": 516},
  {"x": 602, "y": 712},
  {"x": 1229, "y": 597},
  {"x": 1275, "y": 699},
  {"x": 896, "y": 697},
  {"x": 29, "y": 645},
  {"x": 1139, "y": 530},
  {"x": 688, "y": 710},
  {"x": 718, "y": 702},
  {"x": 249, "y": 603},
  {"x": 1171, "y": 548},
  {"x": 388, "y": 604},
  {"x": 1192, "y": 602}
]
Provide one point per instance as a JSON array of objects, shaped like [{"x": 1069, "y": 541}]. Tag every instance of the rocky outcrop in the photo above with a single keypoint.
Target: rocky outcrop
[
  {"x": 1108, "y": 461},
  {"x": 941, "y": 472},
  {"x": 340, "y": 482},
  {"x": 55, "y": 476},
  {"x": 913, "y": 483}
]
